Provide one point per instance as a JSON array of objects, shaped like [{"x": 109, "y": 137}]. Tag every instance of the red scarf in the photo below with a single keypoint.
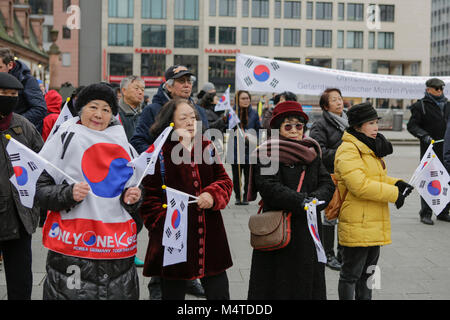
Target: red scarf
[{"x": 5, "y": 122}]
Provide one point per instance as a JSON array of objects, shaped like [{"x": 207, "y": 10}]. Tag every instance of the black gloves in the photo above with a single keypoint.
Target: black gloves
[
  {"x": 426, "y": 139},
  {"x": 402, "y": 186}
]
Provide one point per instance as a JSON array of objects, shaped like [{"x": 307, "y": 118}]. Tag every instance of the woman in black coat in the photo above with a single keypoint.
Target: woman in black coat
[
  {"x": 328, "y": 131},
  {"x": 292, "y": 272}
]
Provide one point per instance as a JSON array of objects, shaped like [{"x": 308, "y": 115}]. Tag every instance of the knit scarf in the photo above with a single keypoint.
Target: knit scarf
[
  {"x": 380, "y": 146},
  {"x": 342, "y": 121},
  {"x": 285, "y": 151},
  {"x": 439, "y": 101}
]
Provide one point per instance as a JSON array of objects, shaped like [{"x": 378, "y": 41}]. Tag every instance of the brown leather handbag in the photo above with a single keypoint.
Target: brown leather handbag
[
  {"x": 334, "y": 206},
  {"x": 271, "y": 230}
]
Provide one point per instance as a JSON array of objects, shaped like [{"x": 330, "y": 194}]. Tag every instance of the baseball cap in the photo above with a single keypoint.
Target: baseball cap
[{"x": 177, "y": 71}]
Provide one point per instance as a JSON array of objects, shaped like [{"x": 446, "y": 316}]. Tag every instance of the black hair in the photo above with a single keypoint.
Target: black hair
[
  {"x": 165, "y": 116},
  {"x": 288, "y": 96}
]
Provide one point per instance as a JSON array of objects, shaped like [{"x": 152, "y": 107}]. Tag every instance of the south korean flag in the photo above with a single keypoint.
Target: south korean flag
[
  {"x": 27, "y": 166},
  {"x": 258, "y": 74},
  {"x": 176, "y": 219}
]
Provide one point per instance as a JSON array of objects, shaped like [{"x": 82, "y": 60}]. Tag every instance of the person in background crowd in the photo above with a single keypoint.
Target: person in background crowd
[
  {"x": 108, "y": 277},
  {"x": 130, "y": 105},
  {"x": 31, "y": 103},
  {"x": 428, "y": 122},
  {"x": 215, "y": 120},
  {"x": 146, "y": 101},
  {"x": 17, "y": 222},
  {"x": 241, "y": 164},
  {"x": 42, "y": 87},
  {"x": 54, "y": 103},
  {"x": 364, "y": 222},
  {"x": 294, "y": 271},
  {"x": 328, "y": 131},
  {"x": 281, "y": 97},
  {"x": 207, "y": 88},
  {"x": 179, "y": 81},
  {"x": 208, "y": 254}
]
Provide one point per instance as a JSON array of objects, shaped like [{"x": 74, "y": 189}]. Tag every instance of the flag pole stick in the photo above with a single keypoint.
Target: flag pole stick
[{"x": 236, "y": 103}]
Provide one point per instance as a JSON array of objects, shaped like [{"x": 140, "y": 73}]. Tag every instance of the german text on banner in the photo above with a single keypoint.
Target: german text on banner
[
  {"x": 266, "y": 75},
  {"x": 27, "y": 166},
  {"x": 99, "y": 227}
]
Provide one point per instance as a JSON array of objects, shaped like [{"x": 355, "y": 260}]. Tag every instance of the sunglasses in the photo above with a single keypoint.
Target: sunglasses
[
  {"x": 438, "y": 88},
  {"x": 298, "y": 126}
]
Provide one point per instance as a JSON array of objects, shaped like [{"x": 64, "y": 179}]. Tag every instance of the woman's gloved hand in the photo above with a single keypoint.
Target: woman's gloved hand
[{"x": 402, "y": 186}]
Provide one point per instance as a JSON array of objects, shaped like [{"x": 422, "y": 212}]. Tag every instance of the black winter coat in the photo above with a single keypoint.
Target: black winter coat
[
  {"x": 294, "y": 271},
  {"x": 115, "y": 279},
  {"x": 427, "y": 119},
  {"x": 31, "y": 103},
  {"x": 327, "y": 133},
  {"x": 12, "y": 212}
]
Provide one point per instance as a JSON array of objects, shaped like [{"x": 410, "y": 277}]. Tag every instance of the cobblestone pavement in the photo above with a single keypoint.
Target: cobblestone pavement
[{"x": 415, "y": 266}]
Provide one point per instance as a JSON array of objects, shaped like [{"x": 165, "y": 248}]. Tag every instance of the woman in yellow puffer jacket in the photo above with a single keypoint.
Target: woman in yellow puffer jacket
[{"x": 364, "y": 222}]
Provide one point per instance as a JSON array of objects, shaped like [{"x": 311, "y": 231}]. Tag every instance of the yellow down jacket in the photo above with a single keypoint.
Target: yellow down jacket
[{"x": 364, "y": 219}]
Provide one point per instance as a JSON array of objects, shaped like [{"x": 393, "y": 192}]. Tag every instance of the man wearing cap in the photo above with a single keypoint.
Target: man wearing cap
[
  {"x": 179, "y": 81},
  {"x": 31, "y": 103},
  {"x": 17, "y": 223},
  {"x": 428, "y": 122}
]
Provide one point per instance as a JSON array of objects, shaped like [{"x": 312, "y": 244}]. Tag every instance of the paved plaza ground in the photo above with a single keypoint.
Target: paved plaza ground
[{"x": 415, "y": 266}]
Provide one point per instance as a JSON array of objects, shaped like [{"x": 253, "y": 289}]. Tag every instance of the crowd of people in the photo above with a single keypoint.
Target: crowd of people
[{"x": 122, "y": 120}]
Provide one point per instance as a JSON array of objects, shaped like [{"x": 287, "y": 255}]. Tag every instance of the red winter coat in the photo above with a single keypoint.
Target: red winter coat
[
  {"x": 54, "y": 101},
  {"x": 208, "y": 252}
]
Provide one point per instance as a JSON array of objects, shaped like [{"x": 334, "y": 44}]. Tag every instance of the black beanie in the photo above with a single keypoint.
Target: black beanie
[
  {"x": 360, "y": 113},
  {"x": 97, "y": 91}
]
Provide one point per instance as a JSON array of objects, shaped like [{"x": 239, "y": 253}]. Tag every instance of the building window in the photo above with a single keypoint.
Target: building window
[
  {"x": 227, "y": 8},
  {"x": 244, "y": 36},
  {"x": 212, "y": 35},
  {"x": 309, "y": 10},
  {"x": 120, "y": 8},
  {"x": 260, "y": 36},
  {"x": 153, "y": 65},
  {"x": 355, "y": 11},
  {"x": 222, "y": 72},
  {"x": 340, "y": 39},
  {"x": 385, "y": 40},
  {"x": 260, "y": 8},
  {"x": 186, "y": 9},
  {"x": 341, "y": 11},
  {"x": 212, "y": 8},
  {"x": 292, "y": 9},
  {"x": 415, "y": 69},
  {"x": 324, "y": 10},
  {"x": 318, "y": 62},
  {"x": 65, "y": 59},
  {"x": 66, "y": 33},
  {"x": 355, "y": 65},
  {"x": 354, "y": 39},
  {"x": 153, "y": 35},
  {"x": 46, "y": 6},
  {"x": 186, "y": 37},
  {"x": 323, "y": 38},
  {"x": 153, "y": 9},
  {"x": 120, "y": 34},
  {"x": 387, "y": 13},
  {"x": 66, "y": 4},
  {"x": 120, "y": 64},
  {"x": 227, "y": 35},
  {"x": 190, "y": 62},
  {"x": 277, "y": 9},
  {"x": 245, "y": 8},
  {"x": 277, "y": 37},
  {"x": 371, "y": 40},
  {"x": 291, "y": 37},
  {"x": 309, "y": 38}
]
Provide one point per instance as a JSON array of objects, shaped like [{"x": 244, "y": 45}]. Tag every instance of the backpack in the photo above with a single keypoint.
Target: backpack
[{"x": 334, "y": 206}]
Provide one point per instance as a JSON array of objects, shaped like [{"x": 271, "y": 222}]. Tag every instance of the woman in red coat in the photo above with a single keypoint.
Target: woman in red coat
[{"x": 208, "y": 254}]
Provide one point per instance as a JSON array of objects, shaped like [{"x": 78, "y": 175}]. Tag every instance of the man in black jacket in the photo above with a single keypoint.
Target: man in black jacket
[
  {"x": 31, "y": 103},
  {"x": 17, "y": 222},
  {"x": 428, "y": 122}
]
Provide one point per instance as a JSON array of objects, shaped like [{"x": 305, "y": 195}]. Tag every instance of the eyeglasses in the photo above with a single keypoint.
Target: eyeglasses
[
  {"x": 438, "y": 88},
  {"x": 298, "y": 126},
  {"x": 189, "y": 80}
]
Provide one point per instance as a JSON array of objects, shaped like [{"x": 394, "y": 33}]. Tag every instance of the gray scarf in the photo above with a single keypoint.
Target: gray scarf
[{"x": 342, "y": 121}]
